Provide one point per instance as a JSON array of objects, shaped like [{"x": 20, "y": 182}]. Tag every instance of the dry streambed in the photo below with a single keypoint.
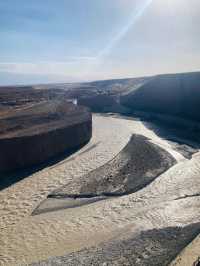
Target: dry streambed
[
  {"x": 135, "y": 228},
  {"x": 136, "y": 166}
]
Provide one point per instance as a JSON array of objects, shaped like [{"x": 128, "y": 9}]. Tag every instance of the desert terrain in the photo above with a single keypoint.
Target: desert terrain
[{"x": 129, "y": 196}]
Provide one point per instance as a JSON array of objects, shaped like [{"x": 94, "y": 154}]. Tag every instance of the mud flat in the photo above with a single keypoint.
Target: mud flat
[{"x": 157, "y": 220}]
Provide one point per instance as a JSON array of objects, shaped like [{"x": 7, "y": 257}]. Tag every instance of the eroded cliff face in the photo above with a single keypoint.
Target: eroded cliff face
[
  {"x": 33, "y": 133},
  {"x": 97, "y": 103},
  {"x": 175, "y": 95}
]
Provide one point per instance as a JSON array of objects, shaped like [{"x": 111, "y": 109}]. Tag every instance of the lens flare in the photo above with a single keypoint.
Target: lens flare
[{"x": 137, "y": 14}]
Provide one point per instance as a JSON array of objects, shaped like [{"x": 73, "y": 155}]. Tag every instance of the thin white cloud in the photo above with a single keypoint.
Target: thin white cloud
[
  {"x": 137, "y": 14},
  {"x": 106, "y": 51},
  {"x": 46, "y": 67}
]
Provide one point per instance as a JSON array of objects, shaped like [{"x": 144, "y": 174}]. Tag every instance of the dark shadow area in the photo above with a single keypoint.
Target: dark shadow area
[
  {"x": 9, "y": 179},
  {"x": 156, "y": 247},
  {"x": 172, "y": 128},
  {"x": 186, "y": 138},
  {"x": 182, "y": 135},
  {"x": 183, "y": 139},
  {"x": 197, "y": 263},
  {"x": 129, "y": 171}
]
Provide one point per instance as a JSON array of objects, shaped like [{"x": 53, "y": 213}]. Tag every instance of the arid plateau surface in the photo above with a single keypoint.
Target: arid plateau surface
[{"x": 118, "y": 187}]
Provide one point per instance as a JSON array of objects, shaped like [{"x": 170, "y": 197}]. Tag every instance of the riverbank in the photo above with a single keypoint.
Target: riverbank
[{"x": 132, "y": 223}]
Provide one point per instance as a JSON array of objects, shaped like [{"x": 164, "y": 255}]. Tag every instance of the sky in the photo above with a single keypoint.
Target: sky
[{"x": 81, "y": 40}]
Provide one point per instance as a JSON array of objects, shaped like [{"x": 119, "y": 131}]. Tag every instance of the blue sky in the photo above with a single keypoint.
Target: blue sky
[{"x": 79, "y": 40}]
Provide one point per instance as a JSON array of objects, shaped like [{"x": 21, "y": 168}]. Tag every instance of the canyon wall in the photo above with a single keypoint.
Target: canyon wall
[
  {"x": 175, "y": 95},
  {"x": 33, "y": 136},
  {"x": 97, "y": 103}
]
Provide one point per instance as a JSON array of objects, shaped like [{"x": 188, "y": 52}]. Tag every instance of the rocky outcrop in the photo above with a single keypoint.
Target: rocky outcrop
[
  {"x": 41, "y": 131},
  {"x": 103, "y": 96}
]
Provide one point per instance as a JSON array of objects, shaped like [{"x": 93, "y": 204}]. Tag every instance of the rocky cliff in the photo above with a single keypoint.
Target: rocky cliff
[
  {"x": 36, "y": 132},
  {"x": 175, "y": 95}
]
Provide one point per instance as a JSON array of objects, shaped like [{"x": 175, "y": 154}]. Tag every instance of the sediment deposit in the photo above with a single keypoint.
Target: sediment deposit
[
  {"x": 129, "y": 171},
  {"x": 159, "y": 205},
  {"x": 128, "y": 197}
]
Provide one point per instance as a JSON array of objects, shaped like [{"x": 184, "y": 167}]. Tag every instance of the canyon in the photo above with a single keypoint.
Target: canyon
[{"x": 125, "y": 190}]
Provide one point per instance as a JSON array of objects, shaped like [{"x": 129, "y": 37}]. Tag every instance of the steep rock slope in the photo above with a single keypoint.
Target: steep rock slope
[
  {"x": 36, "y": 132},
  {"x": 175, "y": 94}
]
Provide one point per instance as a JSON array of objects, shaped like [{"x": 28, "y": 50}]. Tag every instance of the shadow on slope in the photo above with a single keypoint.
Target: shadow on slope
[
  {"x": 182, "y": 138},
  {"x": 156, "y": 247},
  {"x": 136, "y": 166},
  {"x": 9, "y": 179}
]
